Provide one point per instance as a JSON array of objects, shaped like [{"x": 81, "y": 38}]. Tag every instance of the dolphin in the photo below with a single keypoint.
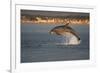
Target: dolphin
[{"x": 65, "y": 30}]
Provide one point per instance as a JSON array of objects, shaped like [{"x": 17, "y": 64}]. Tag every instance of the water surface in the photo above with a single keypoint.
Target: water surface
[{"x": 37, "y": 45}]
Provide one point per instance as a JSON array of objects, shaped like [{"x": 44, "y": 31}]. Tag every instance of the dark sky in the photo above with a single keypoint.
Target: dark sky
[{"x": 52, "y": 13}]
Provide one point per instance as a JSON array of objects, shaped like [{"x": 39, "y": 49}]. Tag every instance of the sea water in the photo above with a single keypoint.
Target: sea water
[{"x": 37, "y": 45}]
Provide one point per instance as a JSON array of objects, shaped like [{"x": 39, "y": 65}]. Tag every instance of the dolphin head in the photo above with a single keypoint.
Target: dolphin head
[{"x": 52, "y": 31}]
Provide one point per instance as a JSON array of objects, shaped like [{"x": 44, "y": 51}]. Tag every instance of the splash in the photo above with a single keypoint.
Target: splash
[
  {"x": 69, "y": 39},
  {"x": 73, "y": 41}
]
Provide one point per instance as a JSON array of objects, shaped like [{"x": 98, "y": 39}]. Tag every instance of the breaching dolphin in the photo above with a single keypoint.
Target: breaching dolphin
[{"x": 66, "y": 30}]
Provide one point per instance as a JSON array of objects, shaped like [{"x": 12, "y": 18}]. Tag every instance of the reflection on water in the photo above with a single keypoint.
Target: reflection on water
[{"x": 39, "y": 46}]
